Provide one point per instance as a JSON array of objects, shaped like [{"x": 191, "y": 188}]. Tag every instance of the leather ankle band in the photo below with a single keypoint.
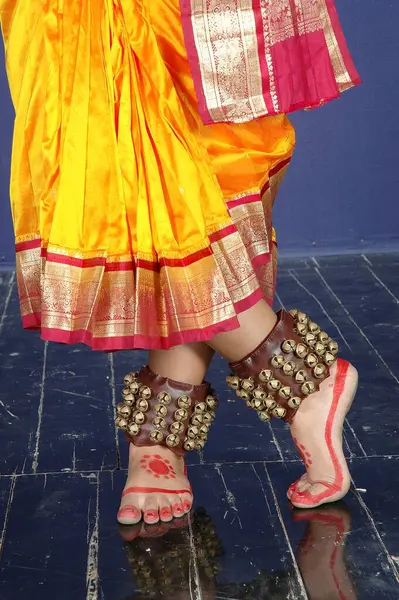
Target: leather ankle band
[
  {"x": 287, "y": 366},
  {"x": 159, "y": 411}
]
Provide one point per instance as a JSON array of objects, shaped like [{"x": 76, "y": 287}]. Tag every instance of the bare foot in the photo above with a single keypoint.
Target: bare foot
[
  {"x": 157, "y": 488},
  {"x": 317, "y": 433}
]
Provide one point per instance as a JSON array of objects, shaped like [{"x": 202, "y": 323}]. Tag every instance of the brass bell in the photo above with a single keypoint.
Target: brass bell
[
  {"x": 159, "y": 423},
  {"x": 311, "y": 360},
  {"x": 259, "y": 394},
  {"x": 285, "y": 392},
  {"x": 301, "y": 350},
  {"x": 197, "y": 420},
  {"x": 289, "y": 368},
  {"x": 248, "y": 384},
  {"x": 279, "y": 412},
  {"x": 264, "y": 416},
  {"x": 120, "y": 407},
  {"x": 208, "y": 417},
  {"x": 244, "y": 395},
  {"x": 192, "y": 432},
  {"x": 270, "y": 403},
  {"x": 125, "y": 411},
  {"x": 156, "y": 436},
  {"x": 200, "y": 407},
  {"x": 301, "y": 329},
  {"x": 319, "y": 348},
  {"x": 125, "y": 391},
  {"x": 181, "y": 414},
  {"x": 258, "y": 404},
  {"x": 301, "y": 376},
  {"x": 145, "y": 392},
  {"x": 176, "y": 427},
  {"x": 212, "y": 402},
  {"x": 189, "y": 445},
  {"x": 184, "y": 402},
  {"x": 323, "y": 337},
  {"x": 333, "y": 347},
  {"x": 266, "y": 375},
  {"x": 274, "y": 385},
  {"x": 319, "y": 371},
  {"x": 172, "y": 440},
  {"x": 294, "y": 312},
  {"x": 204, "y": 430},
  {"x": 314, "y": 328},
  {"x": 277, "y": 361},
  {"x": 160, "y": 410},
  {"x": 310, "y": 339},
  {"x": 288, "y": 346},
  {"x": 329, "y": 358},
  {"x": 121, "y": 423},
  {"x": 308, "y": 388},
  {"x": 130, "y": 377},
  {"x": 233, "y": 381},
  {"x": 142, "y": 405},
  {"x": 133, "y": 429},
  {"x": 199, "y": 443},
  {"x": 134, "y": 387},
  {"x": 129, "y": 399},
  {"x": 164, "y": 398},
  {"x": 302, "y": 318},
  {"x": 294, "y": 402},
  {"x": 138, "y": 417}
]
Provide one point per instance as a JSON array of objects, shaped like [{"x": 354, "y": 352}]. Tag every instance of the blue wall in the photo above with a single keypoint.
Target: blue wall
[{"x": 342, "y": 190}]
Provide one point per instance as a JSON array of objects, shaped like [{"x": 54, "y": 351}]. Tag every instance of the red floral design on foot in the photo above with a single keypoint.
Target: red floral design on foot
[
  {"x": 305, "y": 455},
  {"x": 157, "y": 466}
]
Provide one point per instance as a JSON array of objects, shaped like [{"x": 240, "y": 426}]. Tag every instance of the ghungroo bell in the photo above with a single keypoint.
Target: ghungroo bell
[
  {"x": 162, "y": 411},
  {"x": 287, "y": 378}
]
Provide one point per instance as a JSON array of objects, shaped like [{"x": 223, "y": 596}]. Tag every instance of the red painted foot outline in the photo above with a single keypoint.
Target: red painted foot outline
[
  {"x": 157, "y": 466},
  {"x": 336, "y": 486}
]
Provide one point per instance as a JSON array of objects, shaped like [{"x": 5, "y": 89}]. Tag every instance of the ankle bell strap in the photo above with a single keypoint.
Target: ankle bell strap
[
  {"x": 157, "y": 410},
  {"x": 288, "y": 366}
]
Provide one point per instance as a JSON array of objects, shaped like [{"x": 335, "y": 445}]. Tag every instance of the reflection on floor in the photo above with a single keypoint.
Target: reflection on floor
[{"x": 62, "y": 469}]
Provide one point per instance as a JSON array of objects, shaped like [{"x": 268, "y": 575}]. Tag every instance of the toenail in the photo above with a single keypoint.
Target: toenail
[
  {"x": 178, "y": 508},
  {"x": 150, "y": 514},
  {"x": 187, "y": 505}
]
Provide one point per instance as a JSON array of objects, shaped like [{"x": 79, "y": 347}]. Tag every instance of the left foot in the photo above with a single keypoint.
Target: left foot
[{"x": 317, "y": 433}]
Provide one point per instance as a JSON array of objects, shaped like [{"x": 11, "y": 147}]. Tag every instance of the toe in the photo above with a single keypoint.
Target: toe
[
  {"x": 150, "y": 512},
  {"x": 187, "y": 502},
  {"x": 299, "y": 485},
  {"x": 129, "y": 515},
  {"x": 178, "y": 510},
  {"x": 166, "y": 513}
]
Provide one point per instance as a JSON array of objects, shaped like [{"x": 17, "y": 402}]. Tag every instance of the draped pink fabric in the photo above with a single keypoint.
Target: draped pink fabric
[{"x": 251, "y": 58}]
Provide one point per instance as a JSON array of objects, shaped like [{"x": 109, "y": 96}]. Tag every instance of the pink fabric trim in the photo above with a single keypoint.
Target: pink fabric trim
[{"x": 32, "y": 321}]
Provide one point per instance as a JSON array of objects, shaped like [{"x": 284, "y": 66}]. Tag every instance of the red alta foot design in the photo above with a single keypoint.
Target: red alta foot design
[
  {"x": 338, "y": 488},
  {"x": 157, "y": 466}
]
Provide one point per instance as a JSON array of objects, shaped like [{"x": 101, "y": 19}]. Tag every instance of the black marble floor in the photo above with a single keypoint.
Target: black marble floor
[{"x": 62, "y": 469}]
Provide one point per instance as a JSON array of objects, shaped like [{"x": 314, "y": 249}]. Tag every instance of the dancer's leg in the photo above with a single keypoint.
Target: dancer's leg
[
  {"x": 157, "y": 467},
  {"x": 317, "y": 425}
]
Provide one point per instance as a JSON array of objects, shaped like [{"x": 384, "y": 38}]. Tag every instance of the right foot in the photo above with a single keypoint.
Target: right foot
[{"x": 157, "y": 488}]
